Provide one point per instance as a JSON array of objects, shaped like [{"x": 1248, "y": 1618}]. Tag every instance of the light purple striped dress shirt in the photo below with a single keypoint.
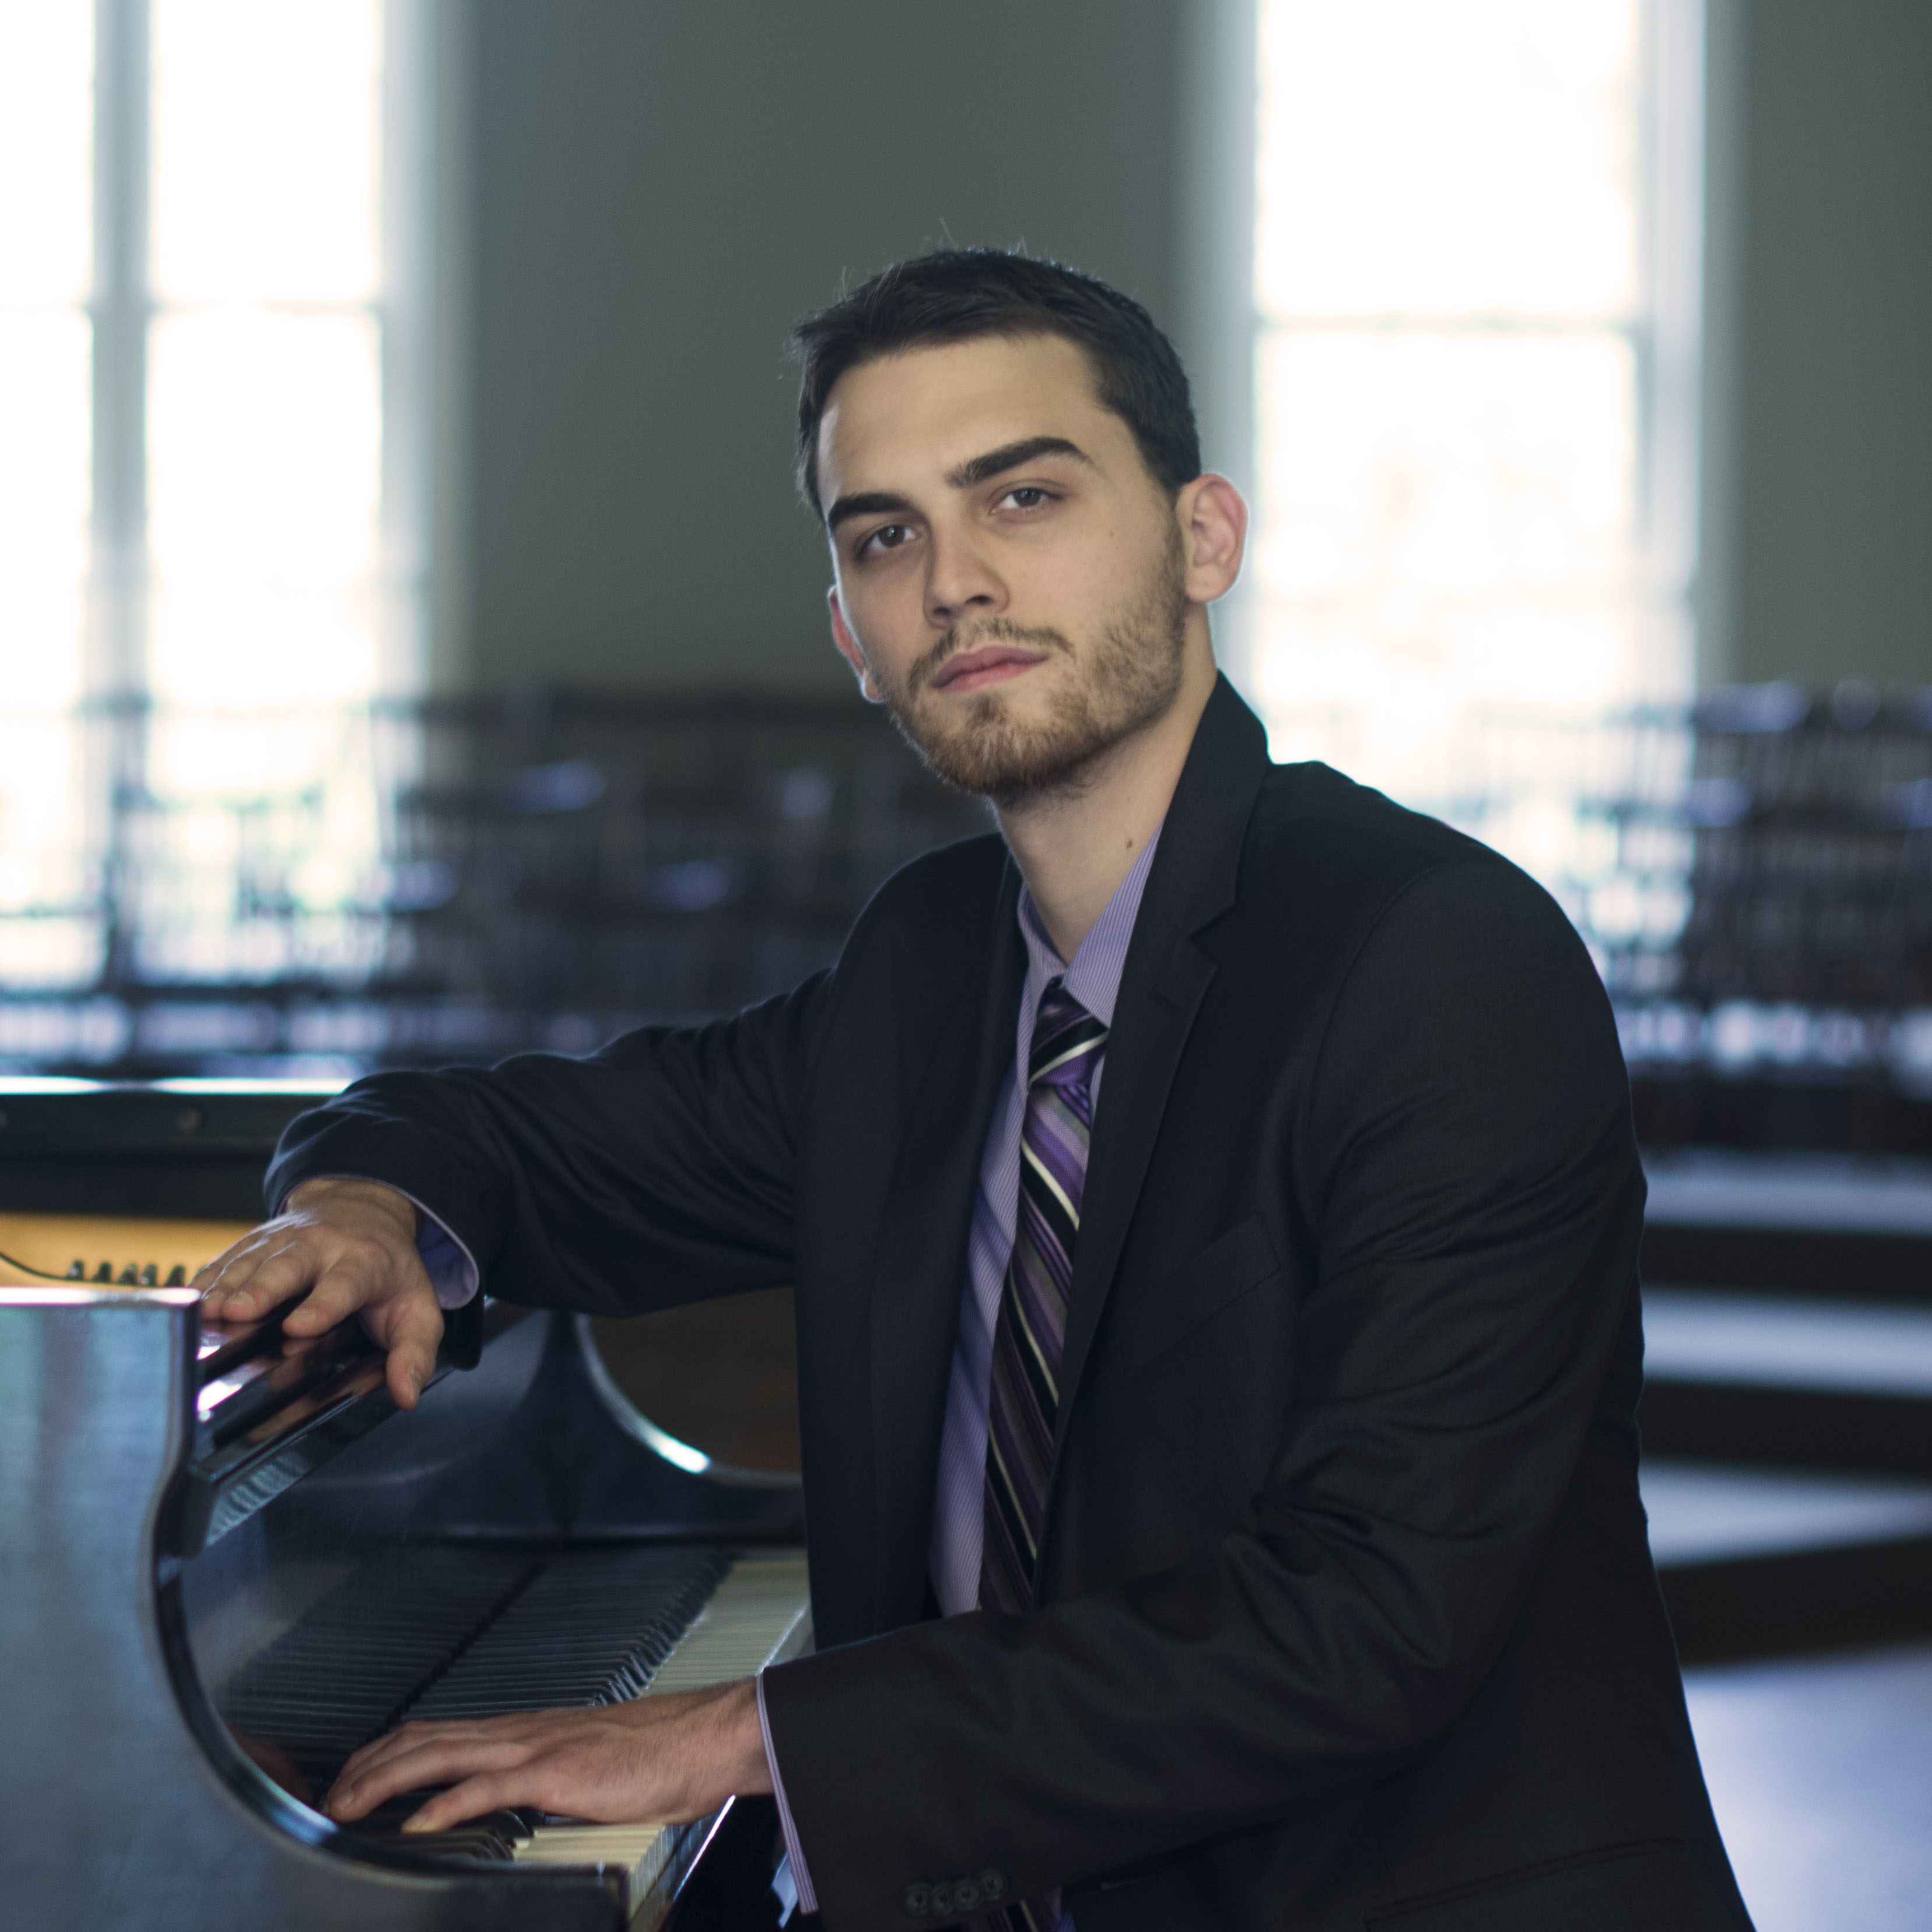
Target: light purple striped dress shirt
[{"x": 1093, "y": 977}]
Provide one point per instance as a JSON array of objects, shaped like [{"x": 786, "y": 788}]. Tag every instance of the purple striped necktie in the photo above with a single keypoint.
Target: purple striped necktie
[{"x": 1030, "y": 1333}]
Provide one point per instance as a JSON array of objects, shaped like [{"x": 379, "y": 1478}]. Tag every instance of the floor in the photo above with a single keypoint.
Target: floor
[
  {"x": 1821, "y": 1774},
  {"x": 1820, "y": 1768}
]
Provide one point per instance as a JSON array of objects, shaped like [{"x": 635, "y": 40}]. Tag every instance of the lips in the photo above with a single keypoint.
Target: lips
[{"x": 990, "y": 663}]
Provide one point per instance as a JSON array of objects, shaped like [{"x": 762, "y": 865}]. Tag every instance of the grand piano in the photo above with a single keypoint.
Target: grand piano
[{"x": 223, "y": 1567}]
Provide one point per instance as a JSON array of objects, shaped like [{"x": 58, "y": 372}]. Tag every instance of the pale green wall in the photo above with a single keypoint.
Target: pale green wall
[
  {"x": 1818, "y": 537},
  {"x": 637, "y": 198},
  {"x": 655, "y": 191}
]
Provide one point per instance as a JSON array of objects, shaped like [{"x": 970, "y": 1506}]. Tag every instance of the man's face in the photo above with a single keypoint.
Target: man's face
[{"x": 1008, "y": 575}]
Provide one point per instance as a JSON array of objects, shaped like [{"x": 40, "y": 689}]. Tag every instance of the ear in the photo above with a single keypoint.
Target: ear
[
  {"x": 850, "y": 649},
  {"x": 1214, "y": 521}
]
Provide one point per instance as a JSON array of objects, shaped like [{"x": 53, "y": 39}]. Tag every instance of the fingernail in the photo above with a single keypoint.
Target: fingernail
[{"x": 416, "y": 1825}]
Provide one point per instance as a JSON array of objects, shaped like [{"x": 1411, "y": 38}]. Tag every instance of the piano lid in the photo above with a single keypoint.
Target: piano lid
[{"x": 127, "y": 1803}]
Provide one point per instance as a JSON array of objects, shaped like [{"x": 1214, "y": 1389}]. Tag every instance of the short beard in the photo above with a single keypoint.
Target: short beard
[{"x": 1131, "y": 676}]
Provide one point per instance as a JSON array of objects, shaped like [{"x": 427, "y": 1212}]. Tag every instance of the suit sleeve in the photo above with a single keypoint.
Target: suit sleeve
[
  {"x": 1475, "y": 1203},
  {"x": 660, "y": 1170}
]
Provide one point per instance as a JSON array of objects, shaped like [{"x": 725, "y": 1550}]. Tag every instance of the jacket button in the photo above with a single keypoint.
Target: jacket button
[
  {"x": 992, "y": 1886},
  {"x": 965, "y": 1895},
  {"x": 919, "y": 1901},
  {"x": 942, "y": 1899}
]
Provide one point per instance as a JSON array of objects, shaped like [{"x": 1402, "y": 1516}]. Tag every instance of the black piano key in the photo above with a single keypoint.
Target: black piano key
[
  {"x": 449, "y": 1632},
  {"x": 342, "y": 1675},
  {"x": 591, "y": 1629},
  {"x": 464, "y": 1841}
]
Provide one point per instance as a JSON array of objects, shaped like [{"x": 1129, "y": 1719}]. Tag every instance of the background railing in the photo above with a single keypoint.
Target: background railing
[
  {"x": 449, "y": 880},
  {"x": 1753, "y": 874},
  {"x": 321, "y": 891}
]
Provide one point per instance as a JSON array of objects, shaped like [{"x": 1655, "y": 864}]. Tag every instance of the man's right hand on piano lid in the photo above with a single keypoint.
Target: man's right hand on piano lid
[{"x": 350, "y": 1247}]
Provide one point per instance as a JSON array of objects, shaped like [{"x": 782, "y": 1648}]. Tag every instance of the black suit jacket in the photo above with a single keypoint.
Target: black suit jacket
[{"x": 1345, "y": 1613}]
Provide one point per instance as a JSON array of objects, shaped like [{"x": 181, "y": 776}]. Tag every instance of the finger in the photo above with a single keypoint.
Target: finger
[
  {"x": 415, "y": 1734},
  {"x": 417, "y": 1755},
  {"x": 359, "y": 1761},
  {"x": 210, "y": 1273},
  {"x": 344, "y": 1281},
  {"x": 459, "y": 1733},
  {"x": 488, "y": 1791},
  {"x": 410, "y": 1327},
  {"x": 283, "y": 1269},
  {"x": 434, "y": 1761},
  {"x": 366, "y": 1265},
  {"x": 279, "y": 1266},
  {"x": 230, "y": 1268}
]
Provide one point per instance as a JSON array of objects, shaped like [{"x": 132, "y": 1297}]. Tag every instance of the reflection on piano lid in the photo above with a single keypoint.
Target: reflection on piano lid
[{"x": 229, "y": 1557}]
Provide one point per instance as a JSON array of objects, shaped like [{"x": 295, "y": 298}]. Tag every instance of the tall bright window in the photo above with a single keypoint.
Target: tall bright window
[
  {"x": 1475, "y": 376},
  {"x": 264, "y": 413},
  {"x": 209, "y": 552},
  {"x": 46, "y": 121},
  {"x": 265, "y": 431}
]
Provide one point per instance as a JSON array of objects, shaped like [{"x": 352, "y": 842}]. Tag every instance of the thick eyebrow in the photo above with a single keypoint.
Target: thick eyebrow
[
  {"x": 1010, "y": 456},
  {"x": 969, "y": 475},
  {"x": 867, "y": 503}
]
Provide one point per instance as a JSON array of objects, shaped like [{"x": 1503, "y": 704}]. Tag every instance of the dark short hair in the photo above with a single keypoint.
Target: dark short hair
[{"x": 956, "y": 295}]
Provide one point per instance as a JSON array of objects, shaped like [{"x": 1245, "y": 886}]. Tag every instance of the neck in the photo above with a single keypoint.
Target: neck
[{"x": 1075, "y": 846}]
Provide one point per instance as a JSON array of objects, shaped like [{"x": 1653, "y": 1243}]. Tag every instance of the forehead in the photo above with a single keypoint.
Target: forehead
[{"x": 915, "y": 416}]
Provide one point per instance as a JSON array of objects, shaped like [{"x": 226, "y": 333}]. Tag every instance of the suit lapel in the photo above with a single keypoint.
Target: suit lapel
[
  {"x": 1163, "y": 981},
  {"x": 921, "y": 1265}
]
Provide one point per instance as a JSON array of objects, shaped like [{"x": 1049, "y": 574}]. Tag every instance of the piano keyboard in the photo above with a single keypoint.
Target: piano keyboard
[
  {"x": 758, "y": 1614},
  {"x": 593, "y": 1627},
  {"x": 583, "y": 1627},
  {"x": 348, "y": 1668}
]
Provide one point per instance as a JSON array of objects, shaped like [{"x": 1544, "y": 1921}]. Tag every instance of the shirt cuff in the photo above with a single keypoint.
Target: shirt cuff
[
  {"x": 451, "y": 1268},
  {"x": 808, "y": 1899}
]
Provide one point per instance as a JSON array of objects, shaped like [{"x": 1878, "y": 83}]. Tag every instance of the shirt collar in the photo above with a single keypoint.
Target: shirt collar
[{"x": 1092, "y": 975}]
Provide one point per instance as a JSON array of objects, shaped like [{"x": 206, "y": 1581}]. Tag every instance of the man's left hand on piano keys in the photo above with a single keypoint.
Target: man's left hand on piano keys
[{"x": 670, "y": 1758}]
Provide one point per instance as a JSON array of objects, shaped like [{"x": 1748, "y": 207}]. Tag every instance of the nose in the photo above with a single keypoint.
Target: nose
[{"x": 961, "y": 582}]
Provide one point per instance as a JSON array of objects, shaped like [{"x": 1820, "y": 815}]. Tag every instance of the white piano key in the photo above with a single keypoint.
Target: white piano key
[{"x": 759, "y": 1613}]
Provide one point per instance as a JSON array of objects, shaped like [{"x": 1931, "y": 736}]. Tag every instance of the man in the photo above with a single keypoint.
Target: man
[{"x": 1213, "y": 1214}]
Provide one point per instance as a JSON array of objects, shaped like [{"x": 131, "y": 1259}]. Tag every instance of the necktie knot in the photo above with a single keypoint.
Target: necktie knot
[{"x": 1067, "y": 1040}]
